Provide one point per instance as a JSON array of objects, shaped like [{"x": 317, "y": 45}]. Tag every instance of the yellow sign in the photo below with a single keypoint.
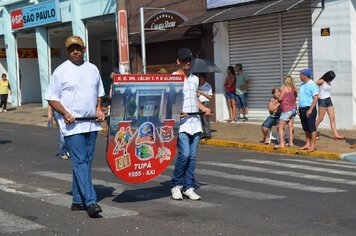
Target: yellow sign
[{"x": 325, "y": 32}]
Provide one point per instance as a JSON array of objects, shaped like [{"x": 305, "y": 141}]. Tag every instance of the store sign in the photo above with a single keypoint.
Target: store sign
[
  {"x": 222, "y": 3},
  {"x": 164, "y": 20},
  {"x": 123, "y": 37},
  {"x": 39, "y": 14},
  {"x": 30, "y": 52},
  {"x": 144, "y": 120}
]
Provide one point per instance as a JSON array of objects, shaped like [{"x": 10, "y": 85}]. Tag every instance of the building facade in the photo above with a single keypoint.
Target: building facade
[{"x": 270, "y": 38}]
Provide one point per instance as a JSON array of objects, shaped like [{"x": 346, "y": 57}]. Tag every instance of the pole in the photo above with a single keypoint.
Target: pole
[
  {"x": 122, "y": 36},
  {"x": 143, "y": 41}
]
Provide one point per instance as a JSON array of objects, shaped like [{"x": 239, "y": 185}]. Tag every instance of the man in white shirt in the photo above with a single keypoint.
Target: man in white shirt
[
  {"x": 205, "y": 93},
  {"x": 75, "y": 90},
  {"x": 190, "y": 129}
]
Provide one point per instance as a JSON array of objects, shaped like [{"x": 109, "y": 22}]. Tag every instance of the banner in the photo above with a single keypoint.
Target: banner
[{"x": 144, "y": 118}]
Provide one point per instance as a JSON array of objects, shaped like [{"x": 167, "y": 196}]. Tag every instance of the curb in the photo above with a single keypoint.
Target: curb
[
  {"x": 264, "y": 148},
  {"x": 349, "y": 156}
]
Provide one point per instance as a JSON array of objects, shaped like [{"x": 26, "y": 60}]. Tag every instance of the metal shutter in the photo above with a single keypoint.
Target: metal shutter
[{"x": 269, "y": 48}]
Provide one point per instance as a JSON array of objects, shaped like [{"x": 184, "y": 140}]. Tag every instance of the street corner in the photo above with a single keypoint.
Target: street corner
[{"x": 349, "y": 156}]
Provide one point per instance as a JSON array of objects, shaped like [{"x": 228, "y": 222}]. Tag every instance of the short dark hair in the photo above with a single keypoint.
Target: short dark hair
[
  {"x": 3, "y": 75},
  {"x": 239, "y": 66}
]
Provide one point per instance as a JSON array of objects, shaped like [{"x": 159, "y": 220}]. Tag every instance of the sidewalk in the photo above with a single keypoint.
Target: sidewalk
[{"x": 245, "y": 135}]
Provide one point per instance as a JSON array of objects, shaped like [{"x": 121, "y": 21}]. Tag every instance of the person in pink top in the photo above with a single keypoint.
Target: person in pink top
[{"x": 288, "y": 98}]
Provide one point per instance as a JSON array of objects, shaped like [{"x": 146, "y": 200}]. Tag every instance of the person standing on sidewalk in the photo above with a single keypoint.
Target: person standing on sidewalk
[
  {"x": 205, "y": 93},
  {"x": 242, "y": 83},
  {"x": 325, "y": 105},
  {"x": 230, "y": 87},
  {"x": 190, "y": 129},
  {"x": 5, "y": 90},
  {"x": 75, "y": 90},
  {"x": 308, "y": 98}
]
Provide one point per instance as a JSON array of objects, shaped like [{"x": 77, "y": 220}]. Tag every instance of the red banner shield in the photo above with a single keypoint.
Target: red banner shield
[{"x": 145, "y": 112}]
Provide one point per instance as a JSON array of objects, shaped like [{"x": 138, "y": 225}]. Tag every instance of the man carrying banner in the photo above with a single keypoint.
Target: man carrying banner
[
  {"x": 75, "y": 91},
  {"x": 190, "y": 130}
]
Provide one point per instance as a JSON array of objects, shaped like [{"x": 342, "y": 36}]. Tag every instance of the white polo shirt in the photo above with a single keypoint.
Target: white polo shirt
[
  {"x": 77, "y": 88},
  {"x": 190, "y": 124}
]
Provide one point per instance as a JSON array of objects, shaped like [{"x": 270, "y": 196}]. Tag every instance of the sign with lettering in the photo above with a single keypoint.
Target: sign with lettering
[
  {"x": 30, "y": 52},
  {"x": 164, "y": 20},
  {"x": 39, "y": 14},
  {"x": 144, "y": 119}
]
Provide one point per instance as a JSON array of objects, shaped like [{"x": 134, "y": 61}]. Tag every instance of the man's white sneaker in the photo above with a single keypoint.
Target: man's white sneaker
[
  {"x": 190, "y": 193},
  {"x": 5, "y": 110},
  {"x": 177, "y": 193},
  {"x": 64, "y": 157}
]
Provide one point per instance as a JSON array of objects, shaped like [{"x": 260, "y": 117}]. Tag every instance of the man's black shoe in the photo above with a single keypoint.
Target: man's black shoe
[
  {"x": 93, "y": 210},
  {"x": 78, "y": 207}
]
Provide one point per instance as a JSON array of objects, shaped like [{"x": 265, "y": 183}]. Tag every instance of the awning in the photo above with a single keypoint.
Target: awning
[{"x": 256, "y": 8}]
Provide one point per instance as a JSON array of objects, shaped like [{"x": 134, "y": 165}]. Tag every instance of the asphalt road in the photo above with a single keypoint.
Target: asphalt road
[{"x": 243, "y": 193}]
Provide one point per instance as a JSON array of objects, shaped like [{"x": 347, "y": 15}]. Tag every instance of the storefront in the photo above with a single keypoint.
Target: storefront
[{"x": 272, "y": 39}]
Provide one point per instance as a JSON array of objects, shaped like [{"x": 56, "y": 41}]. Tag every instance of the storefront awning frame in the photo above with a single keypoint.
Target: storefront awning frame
[{"x": 256, "y": 8}]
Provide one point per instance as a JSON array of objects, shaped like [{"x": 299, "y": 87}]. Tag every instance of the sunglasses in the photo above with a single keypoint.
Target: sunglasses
[{"x": 186, "y": 60}]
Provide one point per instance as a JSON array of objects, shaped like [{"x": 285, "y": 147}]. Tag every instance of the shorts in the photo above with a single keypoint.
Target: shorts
[
  {"x": 230, "y": 95},
  {"x": 326, "y": 102},
  {"x": 286, "y": 116},
  {"x": 270, "y": 121},
  {"x": 308, "y": 123},
  {"x": 241, "y": 101}
]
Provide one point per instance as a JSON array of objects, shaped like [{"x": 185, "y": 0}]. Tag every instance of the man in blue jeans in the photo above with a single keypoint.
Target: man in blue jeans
[
  {"x": 75, "y": 90},
  {"x": 190, "y": 129}
]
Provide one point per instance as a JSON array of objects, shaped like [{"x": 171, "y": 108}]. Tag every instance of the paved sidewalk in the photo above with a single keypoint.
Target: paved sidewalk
[{"x": 241, "y": 135}]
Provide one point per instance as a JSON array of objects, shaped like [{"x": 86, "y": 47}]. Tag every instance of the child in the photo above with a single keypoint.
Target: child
[{"x": 274, "y": 109}]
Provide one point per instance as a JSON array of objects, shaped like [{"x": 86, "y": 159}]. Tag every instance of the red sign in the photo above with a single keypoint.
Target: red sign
[
  {"x": 145, "y": 114},
  {"x": 16, "y": 19},
  {"x": 30, "y": 52},
  {"x": 123, "y": 38}
]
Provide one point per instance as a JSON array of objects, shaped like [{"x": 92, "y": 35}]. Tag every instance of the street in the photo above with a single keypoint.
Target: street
[{"x": 243, "y": 193}]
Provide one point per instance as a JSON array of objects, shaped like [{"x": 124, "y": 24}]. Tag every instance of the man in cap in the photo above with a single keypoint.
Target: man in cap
[
  {"x": 308, "y": 98},
  {"x": 190, "y": 130},
  {"x": 75, "y": 90}
]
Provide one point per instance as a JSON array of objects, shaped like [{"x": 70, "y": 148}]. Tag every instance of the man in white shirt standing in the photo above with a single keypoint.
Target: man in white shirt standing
[
  {"x": 75, "y": 90},
  {"x": 190, "y": 130},
  {"x": 205, "y": 93}
]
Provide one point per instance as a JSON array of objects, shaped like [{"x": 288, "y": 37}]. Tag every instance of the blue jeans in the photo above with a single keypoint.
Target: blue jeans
[
  {"x": 62, "y": 147},
  {"x": 183, "y": 174},
  {"x": 81, "y": 149}
]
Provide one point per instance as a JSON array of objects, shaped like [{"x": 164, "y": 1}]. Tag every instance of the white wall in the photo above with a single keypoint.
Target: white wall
[
  {"x": 335, "y": 53},
  {"x": 221, "y": 59}
]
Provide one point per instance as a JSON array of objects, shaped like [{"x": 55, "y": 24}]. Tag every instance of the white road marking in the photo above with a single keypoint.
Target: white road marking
[
  {"x": 281, "y": 172},
  {"x": 13, "y": 224},
  {"x": 304, "y": 167},
  {"x": 7, "y": 130},
  {"x": 266, "y": 181},
  {"x": 324, "y": 163},
  {"x": 230, "y": 190},
  {"x": 136, "y": 193},
  {"x": 57, "y": 199}
]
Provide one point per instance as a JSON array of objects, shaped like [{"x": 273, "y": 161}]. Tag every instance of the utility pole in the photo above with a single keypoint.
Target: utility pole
[{"x": 122, "y": 37}]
